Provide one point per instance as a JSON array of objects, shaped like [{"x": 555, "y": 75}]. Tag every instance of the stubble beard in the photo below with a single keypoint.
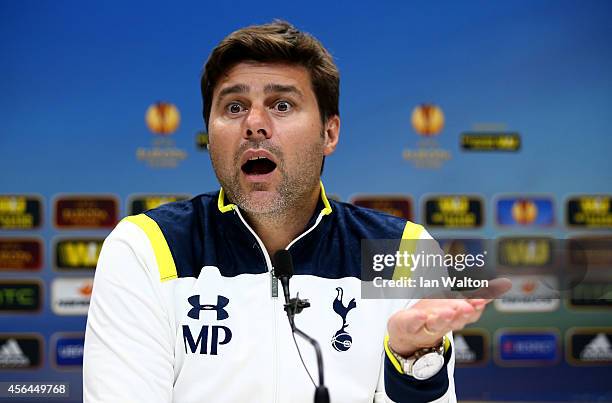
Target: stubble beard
[{"x": 291, "y": 193}]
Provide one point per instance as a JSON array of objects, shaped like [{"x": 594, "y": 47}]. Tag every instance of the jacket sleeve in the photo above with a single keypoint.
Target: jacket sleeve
[
  {"x": 401, "y": 388},
  {"x": 128, "y": 354},
  {"x": 394, "y": 386}
]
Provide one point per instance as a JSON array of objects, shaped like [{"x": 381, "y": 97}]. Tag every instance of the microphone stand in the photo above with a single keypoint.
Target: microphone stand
[{"x": 293, "y": 306}]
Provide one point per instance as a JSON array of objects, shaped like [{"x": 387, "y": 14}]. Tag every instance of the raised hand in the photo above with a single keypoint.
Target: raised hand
[{"x": 426, "y": 322}]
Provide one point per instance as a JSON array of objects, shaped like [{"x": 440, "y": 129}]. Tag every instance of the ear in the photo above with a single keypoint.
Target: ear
[{"x": 332, "y": 134}]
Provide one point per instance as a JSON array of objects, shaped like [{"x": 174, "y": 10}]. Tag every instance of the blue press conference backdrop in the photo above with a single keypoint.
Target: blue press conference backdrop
[{"x": 77, "y": 79}]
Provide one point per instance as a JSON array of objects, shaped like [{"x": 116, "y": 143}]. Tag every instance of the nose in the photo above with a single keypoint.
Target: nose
[
  {"x": 257, "y": 124},
  {"x": 263, "y": 132}
]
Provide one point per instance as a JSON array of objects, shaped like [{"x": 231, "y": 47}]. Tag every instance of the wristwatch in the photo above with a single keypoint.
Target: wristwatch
[{"x": 424, "y": 363}]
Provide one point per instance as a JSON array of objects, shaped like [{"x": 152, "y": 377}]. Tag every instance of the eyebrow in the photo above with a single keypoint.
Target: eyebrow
[
  {"x": 268, "y": 89},
  {"x": 271, "y": 88},
  {"x": 234, "y": 89}
]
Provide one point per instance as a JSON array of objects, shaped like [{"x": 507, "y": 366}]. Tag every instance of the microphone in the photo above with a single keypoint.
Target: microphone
[{"x": 283, "y": 270}]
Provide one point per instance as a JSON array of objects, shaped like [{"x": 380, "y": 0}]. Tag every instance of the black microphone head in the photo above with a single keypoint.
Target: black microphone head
[{"x": 283, "y": 264}]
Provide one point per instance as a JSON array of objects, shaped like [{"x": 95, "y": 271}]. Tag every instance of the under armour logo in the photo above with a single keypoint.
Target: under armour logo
[{"x": 194, "y": 312}]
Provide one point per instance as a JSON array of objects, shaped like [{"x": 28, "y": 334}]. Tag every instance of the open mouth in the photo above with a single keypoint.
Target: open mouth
[{"x": 258, "y": 166}]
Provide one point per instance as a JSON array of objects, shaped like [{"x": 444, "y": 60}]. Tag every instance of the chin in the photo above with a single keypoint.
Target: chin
[{"x": 262, "y": 202}]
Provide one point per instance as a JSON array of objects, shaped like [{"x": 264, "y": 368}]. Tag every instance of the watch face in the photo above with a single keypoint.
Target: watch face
[{"x": 427, "y": 366}]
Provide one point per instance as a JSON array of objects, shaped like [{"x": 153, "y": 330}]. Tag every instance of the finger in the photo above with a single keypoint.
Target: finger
[
  {"x": 464, "y": 312},
  {"x": 474, "y": 318},
  {"x": 478, "y": 309},
  {"x": 414, "y": 320},
  {"x": 462, "y": 306},
  {"x": 479, "y": 303},
  {"x": 439, "y": 321},
  {"x": 496, "y": 288}
]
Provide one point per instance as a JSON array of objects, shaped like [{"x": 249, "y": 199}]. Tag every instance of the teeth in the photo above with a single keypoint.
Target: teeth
[{"x": 256, "y": 158}]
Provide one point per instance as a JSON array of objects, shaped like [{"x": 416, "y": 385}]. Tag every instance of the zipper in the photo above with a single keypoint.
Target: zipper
[
  {"x": 276, "y": 353},
  {"x": 261, "y": 245},
  {"x": 273, "y": 279},
  {"x": 308, "y": 231},
  {"x": 274, "y": 295},
  {"x": 274, "y": 291}
]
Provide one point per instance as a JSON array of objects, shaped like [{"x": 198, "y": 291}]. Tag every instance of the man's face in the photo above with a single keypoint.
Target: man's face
[{"x": 267, "y": 141}]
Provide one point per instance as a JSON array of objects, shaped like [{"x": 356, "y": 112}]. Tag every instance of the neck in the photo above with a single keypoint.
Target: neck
[{"x": 277, "y": 230}]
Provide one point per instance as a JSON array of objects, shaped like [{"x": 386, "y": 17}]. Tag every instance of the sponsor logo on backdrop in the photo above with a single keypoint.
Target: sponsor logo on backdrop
[
  {"x": 399, "y": 206},
  {"x": 530, "y": 294},
  {"x": 467, "y": 254},
  {"x": 70, "y": 296},
  {"x": 21, "y": 254},
  {"x": 492, "y": 141},
  {"x": 590, "y": 211},
  {"x": 471, "y": 347},
  {"x": 20, "y": 351},
  {"x": 202, "y": 141},
  {"x": 77, "y": 253},
  {"x": 86, "y": 212},
  {"x": 162, "y": 119},
  {"x": 427, "y": 121},
  {"x": 454, "y": 211},
  {"x": 525, "y": 211},
  {"x": 20, "y": 212},
  {"x": 591, "y": 294},
  {"x": 525, "y": 251},
  {"x": 68, "y": 350},
  {"x": 140, "y": 203},
  {"x": 593, "y": 251},
  {"x": 590, "y": 346},
  {"x": 20, "y": 296},
  {"x": 456, "y": 246},
  {"x": 531, "y": 347}
]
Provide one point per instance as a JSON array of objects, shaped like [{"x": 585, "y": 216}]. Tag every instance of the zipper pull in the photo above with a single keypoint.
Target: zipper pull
[{"x": 273, "y": 285}]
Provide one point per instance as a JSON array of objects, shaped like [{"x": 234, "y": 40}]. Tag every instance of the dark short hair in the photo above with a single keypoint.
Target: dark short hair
[{"x": 280, "y": 42}]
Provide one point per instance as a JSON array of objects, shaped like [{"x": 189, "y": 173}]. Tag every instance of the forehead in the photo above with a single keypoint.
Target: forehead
[{"x": 257, "y": 75}]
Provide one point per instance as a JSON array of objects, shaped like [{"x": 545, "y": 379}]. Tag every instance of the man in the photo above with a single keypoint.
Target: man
[{"x": 185, "y": 306}]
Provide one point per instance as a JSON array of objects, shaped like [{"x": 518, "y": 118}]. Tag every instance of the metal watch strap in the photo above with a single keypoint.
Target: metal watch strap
[{"x": 417, "y": 354}]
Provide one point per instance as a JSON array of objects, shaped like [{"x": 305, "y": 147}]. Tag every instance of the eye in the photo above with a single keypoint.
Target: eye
[
  {"x": 234, "y": 108},
  {"x": 282, "y": 106}
]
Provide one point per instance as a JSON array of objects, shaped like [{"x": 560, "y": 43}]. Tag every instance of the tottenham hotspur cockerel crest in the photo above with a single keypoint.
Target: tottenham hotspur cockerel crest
[{"x": 342, "y": 341}]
